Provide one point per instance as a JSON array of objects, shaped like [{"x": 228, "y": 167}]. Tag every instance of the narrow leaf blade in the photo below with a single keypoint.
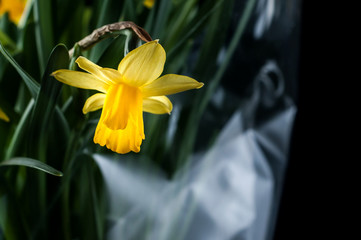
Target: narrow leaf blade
[
  {"x": 32, "y": 163},
  {"x": 32, "y": 85},
  {"x": 47, "y": 98}
]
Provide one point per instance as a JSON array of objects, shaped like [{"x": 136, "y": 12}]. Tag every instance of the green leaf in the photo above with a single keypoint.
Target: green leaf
[
  {"x": 67, "y": 12},
  {"x": 175, "y": 43},
  {"x": 129, "y": 11},
  {"x": 32, "y": 85},
  {"x": 161, "y": 19},
  {"x": 7, "y": 41},
  {"x": 46, "y": 101},
  {"x": 108, "y": 11},
  {"x": 43, "y": 30},
  {"x": 187, "y": 143},
  {"x": 29, "y": 54},
  {"x": 94, "y": 198},
  {"x": 115, "y": 52},
  {"x": 242, "y": 23},
  {"x": 3, "y": 63},
  {"x": 11, "y": 211},
  {"x": 215, "y": 36},
  {"x": 18, "y": 135},
  {"x": 8, "y": 27},
  {"x": 177, "y": 22},
  {"x": 32, "y": 163}
]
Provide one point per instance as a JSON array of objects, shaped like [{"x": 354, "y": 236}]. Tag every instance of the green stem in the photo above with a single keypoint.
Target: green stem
[
  {"x": 94, "y": 199},
  {"x": 68, "y": 163},
  {"x": 69, "y": 160}
]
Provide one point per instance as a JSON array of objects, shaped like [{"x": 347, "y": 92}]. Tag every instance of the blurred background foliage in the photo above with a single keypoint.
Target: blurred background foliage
[{"x": 223, "y": 43}]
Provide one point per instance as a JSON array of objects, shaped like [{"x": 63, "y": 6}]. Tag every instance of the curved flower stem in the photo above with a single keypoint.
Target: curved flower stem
[{"x": 110, "y": 30}]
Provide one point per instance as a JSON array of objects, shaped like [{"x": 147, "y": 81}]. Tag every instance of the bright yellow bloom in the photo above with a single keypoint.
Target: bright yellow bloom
[
  {"x": 3, "y": 116},
  {"x": 149, "y": 3},
  {"x": 14, "y": 7},
  {"x": 126, "y": 93}
]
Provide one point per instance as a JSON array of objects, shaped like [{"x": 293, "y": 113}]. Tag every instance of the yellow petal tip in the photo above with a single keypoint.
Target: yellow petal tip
[
  {"x": 53, "y": 74},
  {"x": 200, "y": 85},
  {"x": 6, "y": 119},
  {"x": 78, "y": 59},
  {"x": 3, "y": 116}
]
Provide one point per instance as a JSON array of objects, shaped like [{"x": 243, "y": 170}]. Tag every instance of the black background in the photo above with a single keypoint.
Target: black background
[{"x": 309, "y": 207}]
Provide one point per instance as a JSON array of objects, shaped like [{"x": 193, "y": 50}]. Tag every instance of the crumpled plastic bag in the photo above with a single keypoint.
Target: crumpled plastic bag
[{"x": 229, "y": 192}]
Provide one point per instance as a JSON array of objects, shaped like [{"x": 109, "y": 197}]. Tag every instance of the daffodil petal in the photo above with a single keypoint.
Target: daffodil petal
[
  {"x": 93, "y": 103},
  {"x": 143, "y": 65},
  {"x": 122, "y": 140},
  {"x": 80, "y": 80},
  {"x": 157, "y": 105},
  {"x": 15, "y": 8},
  {"x": 120, "y": 102},
  {"x": 3, "y": 116},
  {"x": 148, "y": 3},
  {"x": 108, "y": 75},
  {"x": 113, "y": 75},
  {"x": 170, "y": 84}
]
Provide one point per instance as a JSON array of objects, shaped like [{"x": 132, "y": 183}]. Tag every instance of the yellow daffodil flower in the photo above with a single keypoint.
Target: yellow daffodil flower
[
  {"x": 3, "y": 116},
  {"x": 14, "y": 7},
  {"x": 149, "y": 3},
  {"x": 126, "y": 93}
]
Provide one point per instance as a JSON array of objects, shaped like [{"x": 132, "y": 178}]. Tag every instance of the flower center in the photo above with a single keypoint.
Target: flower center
[{"x": 122, "y": 104}]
